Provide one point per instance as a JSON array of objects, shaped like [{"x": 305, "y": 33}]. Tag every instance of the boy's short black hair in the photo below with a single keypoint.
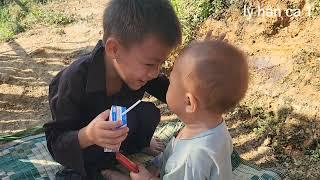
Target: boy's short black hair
[{"x": 132, "y": 20}]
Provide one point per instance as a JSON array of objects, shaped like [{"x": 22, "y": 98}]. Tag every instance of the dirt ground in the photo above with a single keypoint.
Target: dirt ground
[
  {"x": 28, "y": 63},
  {"x": 284, "y": 58}
]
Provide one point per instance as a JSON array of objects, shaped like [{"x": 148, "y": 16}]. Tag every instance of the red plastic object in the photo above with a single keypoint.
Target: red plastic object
[{"x": 131, "y": 166}]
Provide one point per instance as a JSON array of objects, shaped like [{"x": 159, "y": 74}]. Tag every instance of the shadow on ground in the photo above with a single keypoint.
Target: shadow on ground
[{"x": 24, "y": 79}]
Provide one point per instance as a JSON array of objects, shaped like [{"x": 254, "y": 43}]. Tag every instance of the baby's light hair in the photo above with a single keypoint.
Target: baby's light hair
[{"x": 220, "y": 74}]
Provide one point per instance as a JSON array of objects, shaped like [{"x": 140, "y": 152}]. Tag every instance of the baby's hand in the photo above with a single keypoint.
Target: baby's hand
[
  {"x": 209, "y": 37},
  {"x": 143, "y": 174}
]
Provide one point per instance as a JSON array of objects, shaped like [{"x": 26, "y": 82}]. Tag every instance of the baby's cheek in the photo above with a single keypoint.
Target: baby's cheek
[{"x": 169, "y": 97}]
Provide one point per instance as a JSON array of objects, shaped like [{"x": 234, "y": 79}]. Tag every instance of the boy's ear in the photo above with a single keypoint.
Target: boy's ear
[
  {"x": 191, "y": 103},
  {"x": 112, "y": 47}
]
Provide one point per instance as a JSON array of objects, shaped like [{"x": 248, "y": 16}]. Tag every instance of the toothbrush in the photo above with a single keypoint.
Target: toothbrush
[
  {"x": 131, "y": 166},
  {"x": 130, "y": 108}
]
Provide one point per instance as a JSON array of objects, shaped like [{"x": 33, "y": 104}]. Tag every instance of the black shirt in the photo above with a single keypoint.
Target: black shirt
[{"x": 77, "y": 95}]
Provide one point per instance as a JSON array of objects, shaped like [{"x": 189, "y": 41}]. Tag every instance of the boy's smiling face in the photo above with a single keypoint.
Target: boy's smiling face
[{"x": 141, "y": 62}]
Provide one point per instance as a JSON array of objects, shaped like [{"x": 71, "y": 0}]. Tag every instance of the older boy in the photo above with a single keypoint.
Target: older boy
[{"x": 138, "y": 37}]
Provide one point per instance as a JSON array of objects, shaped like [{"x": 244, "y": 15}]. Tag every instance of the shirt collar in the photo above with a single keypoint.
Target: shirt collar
[
  {"x": 211, "y": 131},
  {"x": 96, "y": 70}
]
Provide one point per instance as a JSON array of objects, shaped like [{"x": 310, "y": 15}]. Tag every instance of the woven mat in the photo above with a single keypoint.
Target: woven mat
[{"x": 28, "y": 158}]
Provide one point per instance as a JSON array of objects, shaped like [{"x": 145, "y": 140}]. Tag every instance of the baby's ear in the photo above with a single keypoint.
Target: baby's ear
[{"x": 191, "y": 103}]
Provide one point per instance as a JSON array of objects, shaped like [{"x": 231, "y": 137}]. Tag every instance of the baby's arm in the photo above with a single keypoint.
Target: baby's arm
[{"x": 143, "y": 174}]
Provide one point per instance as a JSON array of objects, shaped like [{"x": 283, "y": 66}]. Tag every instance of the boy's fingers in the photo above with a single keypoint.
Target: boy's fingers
[
  {"x": 159, "y": 150},
  {"x": 115, "y": 133},
  {"x": 222, "y": 36},
  {"x": 116, "y": 140},
  {"x": 140, "y": 174},
  {"x": 156, "y": 151},
  {"x": 142, "y": 168},
  {"x": 208, "y": 35},
  {"x": 109, "y": 125},
  {"x": 160, "y": 143},
  {"x": 193, "y": 41},
  {"x": 133, "y": 175},
  {"x": 161, "y": 147},
  {"x": 104, "y": 115}
]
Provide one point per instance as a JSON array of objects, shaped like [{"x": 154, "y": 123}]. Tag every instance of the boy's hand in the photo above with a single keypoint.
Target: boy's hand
[
  {"x": 155, "y": 148},
  {"x": 102, "y": 132},
  {"x": 221, "y": 37},
  {"x": 143, "y": 174},
  {"x": 209, "y": 37},
  {"x": 155, "y": 171}
]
